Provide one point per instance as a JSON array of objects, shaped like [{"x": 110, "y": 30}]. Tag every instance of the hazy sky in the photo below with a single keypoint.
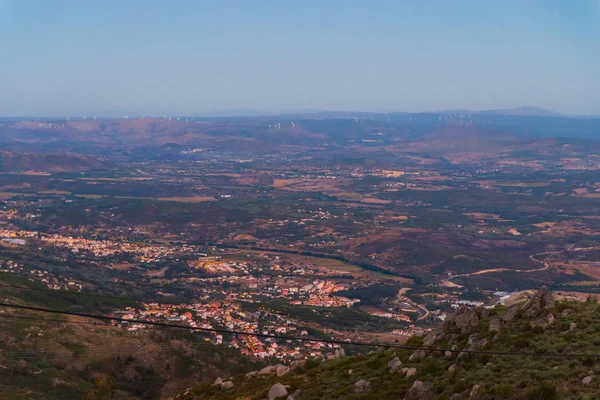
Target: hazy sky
[{"x": 60, "y": 57}]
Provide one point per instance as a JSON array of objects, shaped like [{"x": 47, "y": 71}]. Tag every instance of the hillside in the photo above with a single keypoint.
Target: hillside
[
  {"x": 533, "y": 325},
  {"x": 65, "y": 357},
  {"x": 20, "y": 162}
]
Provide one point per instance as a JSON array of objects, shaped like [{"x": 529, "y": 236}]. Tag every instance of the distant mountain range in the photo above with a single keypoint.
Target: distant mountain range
[{"x": 523, "y": 111}]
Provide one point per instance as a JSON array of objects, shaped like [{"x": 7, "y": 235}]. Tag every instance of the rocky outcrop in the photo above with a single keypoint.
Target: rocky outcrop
[
  {"x": 520, "y": 297},
  {"x": 432, "y": 337},
  {"x": 277, "y": 391},
  {"x": 466, "y": 318},
  {"x": 541, "y": 300},
  {"x": 510, "y": 314},
  {"x": 495, "y": 325}
]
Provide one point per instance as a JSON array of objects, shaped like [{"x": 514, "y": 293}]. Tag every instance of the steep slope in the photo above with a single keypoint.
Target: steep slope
[{"x": 474, "y": 364}]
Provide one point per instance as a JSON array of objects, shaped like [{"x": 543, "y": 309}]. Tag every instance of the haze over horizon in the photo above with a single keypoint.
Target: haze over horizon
[{"x": 194, "y": 58}]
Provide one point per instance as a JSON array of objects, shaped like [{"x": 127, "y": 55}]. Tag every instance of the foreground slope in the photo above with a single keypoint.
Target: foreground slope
[{"x": 537, "y": 325}]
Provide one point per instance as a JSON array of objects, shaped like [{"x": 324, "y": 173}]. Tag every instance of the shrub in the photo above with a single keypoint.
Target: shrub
[{"x": 544, "y": 390}]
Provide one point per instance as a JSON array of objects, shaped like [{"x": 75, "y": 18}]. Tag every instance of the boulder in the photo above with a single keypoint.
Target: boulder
[
  {"x": 282, "y": 370},
  {"x": 520, "y": 297},
  {"x": 277, "y": 391},
  {"x": 268, "y": 370},
  {"x": 482, "y": 312},
  {"x": 297, "y": 364},
  {"x": 418, "y": 390},
  {"x": 466, "y": 319},
  {"x": 448, "y": 354},
  {"x": 418, "y": 355},
  {"x": 404, "y": 370},
  {"x": 226, "y": 385},
  {"x": 251, "y": 375},
  {"x": 295, "y": 395},
  {"x": 475, "y": 391},
  {"x": 565, "y": 312},
  {"x": 495, "y": 325},
  {"x": 361, "y": 386},
  {"x": 572, "y": 326},
  {"x": 218, "y": 381},
  {"x": 511, "y": 313},
  {"x": 430, "y": 339},
  {"x": 394, "y": 365},
  {"x": 411, "y": 372},
  {"x": 543, "y": 322},
  {"x": 587, "y": 380},
  {"x": 350, "y": 372},
  {"x": 541, "y": 300}
]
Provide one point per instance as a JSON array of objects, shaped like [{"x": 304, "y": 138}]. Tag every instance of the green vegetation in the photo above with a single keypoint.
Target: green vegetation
[{"x": 497, "y": 376}]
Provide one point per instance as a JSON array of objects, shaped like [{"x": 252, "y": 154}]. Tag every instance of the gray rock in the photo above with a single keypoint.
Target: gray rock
[
  {"x": 476, "y": 390},
  {"x": 482, "y": 312},
  {"x": 572, "y": 326},
  {"x": 565, "y": 312},
  {"x": 466, "y": 319},
  {"x": 418, "y": 390},
  {"x": 251, "y": 375},
  {"x": 448, "y": 354},
  {"x": 282, "y": 370},
  {"x": 361, "y": 386},
  {"x": 411, "y": 372},
  {"x": 404, "y": 370},
  {"x": 472, "y": 338},
  {"x": 297, "y": 364},
  {"x": 277, "y": 391},
  {"x": 511, "y": 313},
  {"x": 268, "y": 370},
  {"x": 543, "y": 322},
  {"x": 350, "y": 372},
  {"x": 418, "y": 355},
  {"x": 541, "y": 300},
  {"x": 226, "y": 385},
  {"x": 295, "y": 395},
  {"x": 495, "y": 324},
  {"x": 218, "y": 381},
  {"x": 587, "y": 380},
  {"x": 518, "y": 298},
  {"x": 394, "y": 364},
  {"x": 430, "y": 339}
]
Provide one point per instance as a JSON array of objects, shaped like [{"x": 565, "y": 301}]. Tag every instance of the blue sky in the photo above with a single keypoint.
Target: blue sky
[{"x": 149, "y": 57}]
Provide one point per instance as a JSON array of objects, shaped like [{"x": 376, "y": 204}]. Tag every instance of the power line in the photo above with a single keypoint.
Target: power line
[{"x": 302, "y": 339}]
